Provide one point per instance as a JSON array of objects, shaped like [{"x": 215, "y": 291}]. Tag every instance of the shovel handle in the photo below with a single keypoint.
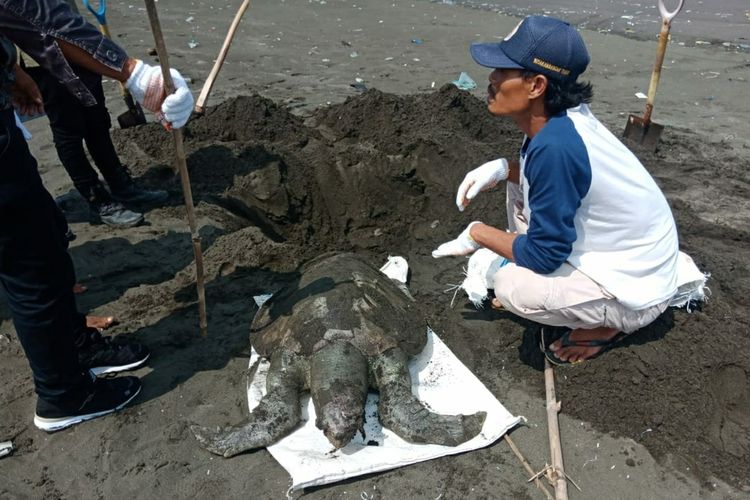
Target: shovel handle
[
  {"x": 667, "y": 15},
  {"x": 199, "y": 104},
  {"x": 661, "y": 49},
  {"x": 99, "y": 12}
]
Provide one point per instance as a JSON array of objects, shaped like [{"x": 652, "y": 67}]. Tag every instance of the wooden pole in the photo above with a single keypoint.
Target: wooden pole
[
  {"x": 161, "y": 50},
  {"x": 557, "y": 474},
  {"x": 200, "y": 103},
  {"x": 526, "y": 465}
]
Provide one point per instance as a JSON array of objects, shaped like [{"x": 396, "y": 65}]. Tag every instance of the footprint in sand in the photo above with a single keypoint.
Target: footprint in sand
[{"x": 730, "y": 424}]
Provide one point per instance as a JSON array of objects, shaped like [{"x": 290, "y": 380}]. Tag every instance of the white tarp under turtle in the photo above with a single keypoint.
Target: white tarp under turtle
[{"x": 440, "y": 381}]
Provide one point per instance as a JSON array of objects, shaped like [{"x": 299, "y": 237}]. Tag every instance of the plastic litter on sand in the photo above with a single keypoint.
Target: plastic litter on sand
[{"x": 465, "y": 82}]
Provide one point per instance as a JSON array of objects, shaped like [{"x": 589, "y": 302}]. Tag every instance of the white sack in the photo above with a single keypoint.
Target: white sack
[{"x": 439, "y": 379}]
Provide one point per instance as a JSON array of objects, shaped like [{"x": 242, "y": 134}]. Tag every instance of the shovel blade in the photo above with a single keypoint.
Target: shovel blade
[
  {"x": 643, "y": 132},
  {"x": 133, "y": 116}
]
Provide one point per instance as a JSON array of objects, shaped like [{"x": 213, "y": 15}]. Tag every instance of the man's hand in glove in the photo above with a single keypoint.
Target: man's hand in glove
[
  {"x": 463, "y": 245},
  {"x": 146, "y": 84},
  {"x": 480, "y": 179}
]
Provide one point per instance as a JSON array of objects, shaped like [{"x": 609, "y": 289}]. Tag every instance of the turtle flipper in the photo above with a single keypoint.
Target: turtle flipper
[
  {"x": 228, "y": 441},
  {"x": 277, "y": 414},
  {"x": 272, "y": 419},
  {"x": 401, "y": 412}
]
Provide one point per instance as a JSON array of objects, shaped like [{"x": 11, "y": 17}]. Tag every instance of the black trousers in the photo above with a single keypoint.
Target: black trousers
[
  {"x": 73, "y": 124},
  {"x": 36, "y": 271}
]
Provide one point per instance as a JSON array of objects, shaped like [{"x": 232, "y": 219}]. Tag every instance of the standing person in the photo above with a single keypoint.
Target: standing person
[
  {"x": 35, "y": 268},
  {"x": 592, "y": 242},
  {"x": 72, "y": 124}
]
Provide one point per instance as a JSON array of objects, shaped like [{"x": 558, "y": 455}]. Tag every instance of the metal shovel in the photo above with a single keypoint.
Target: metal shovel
[
  {"x": 642, "y": 129},
  {"x": 134, "y": 115}
]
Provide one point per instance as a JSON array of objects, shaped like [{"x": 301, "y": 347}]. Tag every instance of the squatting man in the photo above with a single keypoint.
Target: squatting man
[{"x": 591, "y": 244}]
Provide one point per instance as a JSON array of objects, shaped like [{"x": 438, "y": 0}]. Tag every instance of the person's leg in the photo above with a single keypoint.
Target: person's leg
[
  {"x": 37, "y": 275},
  {"x": 41, "y": 306},
  {"x": 615, "y": 319},
  {"x": 67, "y": 121},
  {"x": 36, "y": 271},
  {"x": 97, "y": 124},
  {"x": 100, "y": 354},
  {"x": 569, "y": 298}
]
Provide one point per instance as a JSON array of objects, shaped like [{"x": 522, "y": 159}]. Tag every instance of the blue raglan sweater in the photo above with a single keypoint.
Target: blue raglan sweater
[{"x": 590, "y": 202}]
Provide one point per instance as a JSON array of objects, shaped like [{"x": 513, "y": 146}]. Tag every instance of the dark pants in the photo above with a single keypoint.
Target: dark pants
[
  {"x": 37, "y": 272},
  {"x": 72, "y": 124}
]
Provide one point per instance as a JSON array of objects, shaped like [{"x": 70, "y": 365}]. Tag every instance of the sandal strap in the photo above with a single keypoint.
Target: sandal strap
[{"x": 566, "y": 341}]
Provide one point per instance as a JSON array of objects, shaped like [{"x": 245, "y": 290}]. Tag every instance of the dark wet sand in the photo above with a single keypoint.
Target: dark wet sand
[
  {"x": 725, "y": 23},
  {"x": 280, "y": 178}
]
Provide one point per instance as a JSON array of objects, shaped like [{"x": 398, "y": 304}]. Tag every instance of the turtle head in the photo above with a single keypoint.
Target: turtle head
[
  {"x": 338, "y": 386},
  {"x": 341, "y": 418}
]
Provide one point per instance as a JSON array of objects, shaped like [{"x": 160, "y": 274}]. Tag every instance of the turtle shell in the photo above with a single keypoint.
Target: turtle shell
[{"x": 339, "y": 297}]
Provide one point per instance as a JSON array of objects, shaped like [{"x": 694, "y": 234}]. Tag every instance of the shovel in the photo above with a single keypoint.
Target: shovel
[
  {"x": 642, "y": 129},
  {"x": 134, "y": 115}
]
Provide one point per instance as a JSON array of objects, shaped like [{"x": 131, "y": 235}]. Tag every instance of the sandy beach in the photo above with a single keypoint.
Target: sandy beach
[{"x": 292, "y": 159}]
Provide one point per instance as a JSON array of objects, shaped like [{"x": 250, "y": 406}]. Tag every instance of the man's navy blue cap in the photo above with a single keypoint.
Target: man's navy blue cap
[{"x": 541, "y": 44}]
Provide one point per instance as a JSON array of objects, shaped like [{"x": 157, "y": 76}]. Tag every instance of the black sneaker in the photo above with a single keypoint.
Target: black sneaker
[
  {"x": 102, "y": 356},
  {"x": 105, "y": 396},
  {"x": 132, "y": 194},
  {"x": 115, "y": 215}
]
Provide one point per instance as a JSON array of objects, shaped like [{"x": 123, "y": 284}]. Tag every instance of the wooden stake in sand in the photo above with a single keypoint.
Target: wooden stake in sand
[
  {"x": 200, "y": 103},
  {"x": 161, "y": 50},
  {"x": 557, "y": 472},
  {"x": 527, "y": 466}
]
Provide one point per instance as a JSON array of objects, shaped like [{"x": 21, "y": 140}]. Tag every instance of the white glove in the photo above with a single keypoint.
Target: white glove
[
  {"x": 146, "y": 84},
  {"x": 463, "y": 245},
  {"x": 481, "y": 178}
]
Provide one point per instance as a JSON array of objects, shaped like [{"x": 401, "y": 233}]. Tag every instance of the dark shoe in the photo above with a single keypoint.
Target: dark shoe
[
  {"x": 130, "y": 193},
  {"x": 105, "y": 396},
  {"x": 102, "y": 356},
  {"x": 115, "y": 215}
]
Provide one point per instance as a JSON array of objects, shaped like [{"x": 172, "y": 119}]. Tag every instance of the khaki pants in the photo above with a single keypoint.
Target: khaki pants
[{"x": 566, "y": 297}]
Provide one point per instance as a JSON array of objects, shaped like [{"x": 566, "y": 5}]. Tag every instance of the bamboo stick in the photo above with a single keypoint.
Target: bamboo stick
[
  {"x": 526, "y": 465},
  {"x": 557, "y": 473},
  {"x": 161, "y": 50},
  {"x": 203, "y": 97}
]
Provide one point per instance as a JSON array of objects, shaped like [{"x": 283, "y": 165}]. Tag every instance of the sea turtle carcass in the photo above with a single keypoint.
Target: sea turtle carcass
[{"x": 343, "y": 328}]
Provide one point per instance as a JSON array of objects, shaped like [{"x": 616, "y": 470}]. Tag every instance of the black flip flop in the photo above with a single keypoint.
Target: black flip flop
[{"x": 565, "y": 341}]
